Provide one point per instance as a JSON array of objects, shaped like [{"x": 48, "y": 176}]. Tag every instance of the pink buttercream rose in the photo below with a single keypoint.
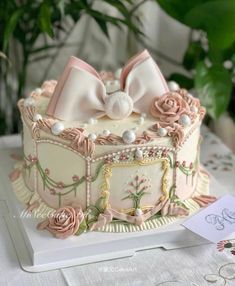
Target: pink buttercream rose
[
  {"x": 169, "y": 107},
  {"x": 191, "y": 100},
  {"x": 48, "y": 87},
  {"x": 64, "y": 222},
  {"x": 177, "y": 135}
]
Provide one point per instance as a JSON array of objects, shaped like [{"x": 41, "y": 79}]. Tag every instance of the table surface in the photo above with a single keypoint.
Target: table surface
[{"x": 211, "y": 264}]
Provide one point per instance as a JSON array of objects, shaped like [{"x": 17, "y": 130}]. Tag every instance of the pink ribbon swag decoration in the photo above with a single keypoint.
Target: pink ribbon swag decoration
[{"x": 81, "y": 94}]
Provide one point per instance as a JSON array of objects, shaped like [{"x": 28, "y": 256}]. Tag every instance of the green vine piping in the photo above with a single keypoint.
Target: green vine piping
[
  {"x": 95, "y": 210},
  {"x": 50, "y": 184},
  {"x": 170, "y": 161},
  {"x": 175, "y": 199}
]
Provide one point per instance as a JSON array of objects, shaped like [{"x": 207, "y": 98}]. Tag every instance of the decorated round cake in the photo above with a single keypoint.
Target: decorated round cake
[{"x": 115, "y": 152}]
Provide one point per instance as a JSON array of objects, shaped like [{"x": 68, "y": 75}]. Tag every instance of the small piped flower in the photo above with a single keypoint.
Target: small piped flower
[
  {"x": 151, "y": 153},
  {"x": 33, "y": 159},
  {"x": 52, "y": 191},
  {"x": 177, "y": 163},
  {"x": 60, "y": 185},
  {"x": 75, "y": 178},
  {"x": 191, "y": 165},
  {"x": 184, "y": 164},
  {"x": 88, "y": 178},
  {"x": 47, "y": 171},
  {"x": 108, "y": 161},
  {"x": 123, "y": 157},
  {"x": 164, "y": 153}
]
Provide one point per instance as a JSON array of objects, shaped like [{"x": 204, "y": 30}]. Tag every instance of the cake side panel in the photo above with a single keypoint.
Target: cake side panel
[
  {"x": 54, "y": 171},
  {"x": 129, "y": 184},
  {"x": 61, "y": 179},
  {"x": 187, "y": 165},
  {"x": 29, "y": 152}
]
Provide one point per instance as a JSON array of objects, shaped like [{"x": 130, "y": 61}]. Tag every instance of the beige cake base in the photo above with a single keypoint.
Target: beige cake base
[{"x": 28, "y": 197}]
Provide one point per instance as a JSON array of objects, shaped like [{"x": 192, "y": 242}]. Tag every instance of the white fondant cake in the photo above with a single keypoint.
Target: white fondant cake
[{"x": 111, "y": 154}]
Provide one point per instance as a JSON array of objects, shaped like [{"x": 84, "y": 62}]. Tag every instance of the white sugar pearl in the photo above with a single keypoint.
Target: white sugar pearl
[
  {"x": 128, "y": 136},
  {"x": 106, "y": 132},
  {"x": 173, "y": 86},
  {"x": 37, "y": 117},
  {"x": 57, "y": 128},
  {"x": 162, "y": 132},
  {"x": 92, "y": 136},
  {"x": 38, "y": 90},
  {"x": 144, "y": 115},
  {"x": 141, "y": 120},
  {"x": 118, "y": 73},
  {"x": 139, "y": 154},
  {"x": 91, "y": 120},
  {"x": 194, "y": 109},
  {"x": 29, "y": 101},
  {"x": 138, "y": 212},
  {"x": 118, "y": 105},
  {"x": 185, "y": 120}
]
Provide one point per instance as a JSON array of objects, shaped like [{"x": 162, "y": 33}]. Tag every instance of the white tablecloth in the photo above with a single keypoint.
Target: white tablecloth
[{"x": 188, "y": 266}]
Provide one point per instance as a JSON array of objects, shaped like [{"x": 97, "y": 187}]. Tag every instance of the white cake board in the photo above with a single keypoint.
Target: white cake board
[{"x": 38, "y": 251}]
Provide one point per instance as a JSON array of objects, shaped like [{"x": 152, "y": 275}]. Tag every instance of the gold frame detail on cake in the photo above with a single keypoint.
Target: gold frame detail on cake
[{"x": 107, "y": 174}]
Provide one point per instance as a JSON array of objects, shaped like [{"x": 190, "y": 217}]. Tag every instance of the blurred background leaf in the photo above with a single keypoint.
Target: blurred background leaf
[
  {"x": 214, "y": 87},
  {"x": 44, "y": 19},
  {"x": 208, "y": 60}
]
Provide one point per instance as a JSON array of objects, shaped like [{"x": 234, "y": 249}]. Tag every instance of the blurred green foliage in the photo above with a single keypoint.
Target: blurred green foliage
[{"x": 210, "y": 57}]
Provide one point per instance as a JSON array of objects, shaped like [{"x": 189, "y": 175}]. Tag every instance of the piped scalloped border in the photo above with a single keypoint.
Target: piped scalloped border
[{"x": 86, "y": 146}]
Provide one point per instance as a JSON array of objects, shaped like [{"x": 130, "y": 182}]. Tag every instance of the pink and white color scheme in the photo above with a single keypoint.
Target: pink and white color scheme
[
  {"x": 127, "y": 158},
  {"x": 81, "y": 93}
]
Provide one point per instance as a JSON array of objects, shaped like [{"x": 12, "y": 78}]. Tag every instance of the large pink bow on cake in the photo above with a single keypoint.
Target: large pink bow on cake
[{"x": 80, "y": 93}]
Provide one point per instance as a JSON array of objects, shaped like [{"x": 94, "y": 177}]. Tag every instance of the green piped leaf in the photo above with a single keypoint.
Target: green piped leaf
[
  {"x": 82, "y": 227},
  {"x": 172, "y": 192}
]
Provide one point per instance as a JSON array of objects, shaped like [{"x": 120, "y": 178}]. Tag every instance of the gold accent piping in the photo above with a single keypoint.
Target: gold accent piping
[
  {"x": 132, "y": 210},
  {"x": 107, "y": 174}
]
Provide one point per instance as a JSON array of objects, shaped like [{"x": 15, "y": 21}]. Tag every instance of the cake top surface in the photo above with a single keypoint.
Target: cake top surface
[{"x": 134, "y": 106}]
